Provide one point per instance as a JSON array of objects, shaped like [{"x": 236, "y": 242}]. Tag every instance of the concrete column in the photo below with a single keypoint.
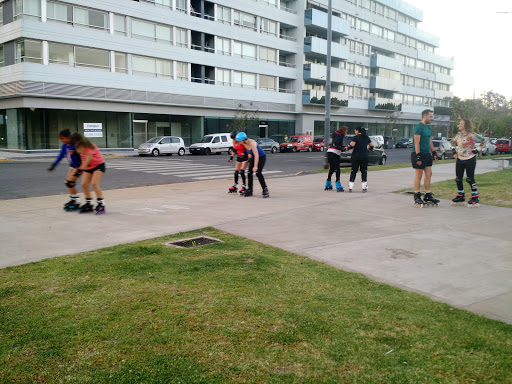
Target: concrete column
[
  {"x": 43, "y": 11},
  {"x": 174, "y": 70},
  {"x": 112, "y": 61},
  {"x": 189, "y": 74},
  {"x": 45, "y": 52},
  {"x": 174, "y": 36},
  {"x": 214, "y": 11},
  {"x": 111, "y": 22},
  {"x": 129, "y": 68}
]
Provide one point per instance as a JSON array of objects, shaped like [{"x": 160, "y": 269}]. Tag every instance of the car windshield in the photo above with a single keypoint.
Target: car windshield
[
  {"x": 501, "y": 141},
  {"x": 206, "y": 139},
  {"x": 347, "y": 140},
  {"x": 436, "y": 143},
  {"x": 319, "y": 140},
  {"x": 154, "y": 140},
  {"x": 293, "y": 139},
  {"x": 403, "y": 140}
]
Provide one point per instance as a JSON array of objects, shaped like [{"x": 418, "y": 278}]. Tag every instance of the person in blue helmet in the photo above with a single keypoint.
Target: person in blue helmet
[
  {"x": 257, "y": 159},
  {"x": 68, "y": 151}
]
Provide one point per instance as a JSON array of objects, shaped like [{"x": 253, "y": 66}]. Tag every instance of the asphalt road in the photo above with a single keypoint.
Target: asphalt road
[{"x": 29, "y": 178}]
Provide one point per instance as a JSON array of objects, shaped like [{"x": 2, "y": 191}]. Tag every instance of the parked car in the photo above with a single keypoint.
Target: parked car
[
  {"x": 389, "y": 142},
  {"x": 493, "y": 140},
  {"x": 443, "y": 149},
  {"x": 379, "y": 139},
  {"x": 268, "y": 144},
  {"x": 487, "y": 148},
  {"x": 165, "y": 145},
  {"x": 319, "y": 144},
  {"x": 213, "y": 143},
  {"x": 377, "y": 156},
  {"x": 404, "y": 143},
  {"x": 297, "y": 143},
  {"x": 503, "y": 145}
]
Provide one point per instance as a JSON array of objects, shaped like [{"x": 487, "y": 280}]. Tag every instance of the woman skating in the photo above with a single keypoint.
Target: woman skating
[
  {"x": 361, "y": 144},
  {"x": 333, "y": 157},
  {"x": 257, "y": 159},
  {"x": 240, "y": 165}
]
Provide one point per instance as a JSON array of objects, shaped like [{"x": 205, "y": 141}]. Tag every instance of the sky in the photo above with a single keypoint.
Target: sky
[{"x": 479, "y": 39}]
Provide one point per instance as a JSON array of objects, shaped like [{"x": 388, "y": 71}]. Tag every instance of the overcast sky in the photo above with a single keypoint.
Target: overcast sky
[{"x": 479, "y": 39}]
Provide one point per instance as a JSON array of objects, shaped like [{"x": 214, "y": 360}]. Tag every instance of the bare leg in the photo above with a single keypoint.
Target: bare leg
[
  {"x": 86, "y": 181},
  {"x": 417, "y": 179},
  {"x": 428, "y": 176},
  {"x": 96, "y": 179}
]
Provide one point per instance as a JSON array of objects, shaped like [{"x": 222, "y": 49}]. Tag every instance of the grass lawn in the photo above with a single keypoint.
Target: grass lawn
[{"x": 232, "y": 312}]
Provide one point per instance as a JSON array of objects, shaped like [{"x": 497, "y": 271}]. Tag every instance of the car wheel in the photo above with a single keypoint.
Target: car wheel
[
  {"x": 274, "y": 149},
  {"x": 310, "y": 149},
  {"x": 230, "y": 151},
  {"x": 294, "y": 149},
  {"x": 207, "y": 151},
  {"x": 442, "y": 157},
  {"x": 280, "y": 150},
  {"x": 382, "y": 160},
  {"x": 181, "y": 152},
  {"x": 155, "y": 152}
]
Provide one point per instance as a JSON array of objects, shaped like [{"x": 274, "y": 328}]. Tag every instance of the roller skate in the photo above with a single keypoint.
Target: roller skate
[
  {"x": 72, "y": 205},
  {"x": 350, "y": 186},
  {"x": 100, "y": 209},
  {"x": 474, "y": 202},
  {"x": 243, "y": 189},
  {"x": 459, "y": 200},
  {"x": 328, "y": 185},
  {"x": 246, "y": 193},
  {"x": 265, "y": 193},
  {"x": 364, "y": 186},
  {"x": 339, "y": 187},
  {"x": 87, "y": 207},
  {"x": 233, "y": 189},
  {"x": 418, "y": 202},
  {"x": 430, "y": 201}
]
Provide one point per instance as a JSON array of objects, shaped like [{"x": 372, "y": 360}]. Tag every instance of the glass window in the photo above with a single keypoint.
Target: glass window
[
  {"x": 120, "y": 25},
  {"x": 267, "y": 83},
  {"x": 144, "y": 65},
  {"x": 2, "y": 60},
  {"x": 181, "y": 37},
  {"x": 182, "y": 71},
  {"x": 223, "y": 46},
  {"x": 364, "y": 26},
  {"x": 28, "y": 51},
  {"x": 27, "y": 8},
  {"x": 420, "y": 83},
  {"x": 411, "y": 42},
  {"x": 91, "y": 18},
  {"x": 163, "y": 34},
  {"x": 376, "y": 30},
  {"x": 61, "y": 54},
  {"x": 268, "y": 54},
  {"x": 223, "y": 14},
  {"x": 390, "y": 35},
  {"x": 410, "y": 81},
  {"x": 268, "y": 26},
  {"x": 391, "y": 13},
  {"x": 92, "y": 58},
  {"x": 143, "y": 30},
  {"x": 420, "y": 64},
  {"x": 1, "y": 15},
  {"x": 223, "y": 77},
  {"x": 379, "y": 8},
  {"x": 365, "y": 4},
  {"x": 360, "y": 48},
  {"x": 244, "y": 20},
  {"x": 165, "y": 3},
  {"x": 181, "y": 5},
  {"x": 164, "y": 68},
  {"x": 120, "y": 62},
  {"x": 59, "y": 12},
  {"x": 399, "y": 38},
  {"x": 244, "y": 50},
  {"x": 411, "y": 62}
]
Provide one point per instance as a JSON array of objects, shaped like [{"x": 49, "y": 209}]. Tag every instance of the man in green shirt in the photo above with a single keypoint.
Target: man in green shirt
[{"x": 421, "y": 158}]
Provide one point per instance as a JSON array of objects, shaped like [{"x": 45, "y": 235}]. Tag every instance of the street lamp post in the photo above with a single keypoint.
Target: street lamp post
[{"x": 327, "y": 126}]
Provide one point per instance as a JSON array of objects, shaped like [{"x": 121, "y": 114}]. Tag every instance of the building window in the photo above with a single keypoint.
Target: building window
[
  {"x": 268, "y": 26},
  {"x": 92, "y": 58},
  {"x": 59, "y": 12},
  {"x": 181, "y": 6},
  {"x": 223, "y": 77},
  {"x": 120, "y": 62},
  {"x": 270, "y": 2},
  {"x": 400, "y": 39},
  {"x": 120, "y": 25},
  {"x": 165, "y": 3},
  {"x": 365, "y": 4},
  {"x": 30, "y": 8},
  {"x": 28, "y": 51},
  {"x": 244, "y": 50},
  {"x": 149, "y": 31},
  {"x": 223, "y": 46},
  {"x": 2, "y": 60},
  {"x": 376, "y": 30},
  {"x": 268, "y": 54},
  {"x": 61, "y": 54},
  {"x": 360, "y": 48},
  {"x": 164, "y": 68},
  {"x": 91, "y": 18},
  {"x": 1, "y": 15},
  {"x": 145, "y": 66},
  {"x": 181, "y": 37},
  {"x": 182, "y": 71},
  {"x": 244, "y": 80},
  {"x": 391, "y": 13},
  {"x": 364, "y": 26},
  {"x": 223, "y": 14},
  {"x": 267, "y": 83},
  {"x": 244, "y": 20}
]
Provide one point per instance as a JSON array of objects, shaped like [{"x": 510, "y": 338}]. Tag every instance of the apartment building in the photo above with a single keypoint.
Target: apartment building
[{"x": 123, "y": 71}]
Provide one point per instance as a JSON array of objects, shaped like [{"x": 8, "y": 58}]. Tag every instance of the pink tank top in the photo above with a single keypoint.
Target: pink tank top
[{"x": 97, "y": 158}]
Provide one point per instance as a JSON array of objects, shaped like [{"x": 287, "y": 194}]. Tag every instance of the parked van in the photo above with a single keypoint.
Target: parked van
[
  {"x": 297, "y": 143},
  {"x": 214, "y": 143},
  {"x": 379, "y": 139}
]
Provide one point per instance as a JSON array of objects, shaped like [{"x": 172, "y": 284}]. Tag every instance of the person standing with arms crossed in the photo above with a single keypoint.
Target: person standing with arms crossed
[{"x": 421, "y": 158}]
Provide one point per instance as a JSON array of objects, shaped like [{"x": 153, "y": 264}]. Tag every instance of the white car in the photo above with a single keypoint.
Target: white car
[
  {"x": 487, "y": 148},
  {"x": 213, "y": 143},
  {"x": 165, "y": 145}
]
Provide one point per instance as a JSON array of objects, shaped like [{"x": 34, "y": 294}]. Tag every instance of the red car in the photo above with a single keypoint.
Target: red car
[
  {"x": 503, "y": 145},
  {"x": 318, "y": 144}
]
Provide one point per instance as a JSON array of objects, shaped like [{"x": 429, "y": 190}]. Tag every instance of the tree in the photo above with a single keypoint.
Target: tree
[{"x": 244, "y": 119}]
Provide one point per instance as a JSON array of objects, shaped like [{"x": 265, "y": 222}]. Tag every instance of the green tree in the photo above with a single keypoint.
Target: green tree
[{"x": 244, "y": 119}]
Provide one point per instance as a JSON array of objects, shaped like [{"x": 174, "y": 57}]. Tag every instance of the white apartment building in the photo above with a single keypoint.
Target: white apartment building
[{"x": 138, "y": 69}]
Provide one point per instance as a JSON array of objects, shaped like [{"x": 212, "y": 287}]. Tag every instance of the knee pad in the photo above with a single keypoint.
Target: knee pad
[
  {"x": 470, "y": 180},
  {"x": 458, "y": 179},
  {"x": 242, "y": 172},
  {"x": 70, "y": 184}
]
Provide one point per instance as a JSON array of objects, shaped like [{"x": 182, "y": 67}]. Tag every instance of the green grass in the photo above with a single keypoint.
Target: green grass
[{"x": 232, "y": 312}]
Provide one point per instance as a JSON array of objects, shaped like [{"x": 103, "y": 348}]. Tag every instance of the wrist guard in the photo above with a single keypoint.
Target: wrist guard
[
  {"x": 418, "y": 157},
  {"x": 475, "y": 151},
  {"x": 434, "y": 154}
]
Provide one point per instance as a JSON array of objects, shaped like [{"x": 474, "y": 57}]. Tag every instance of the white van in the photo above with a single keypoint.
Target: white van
[
  {"x": 214, "y": 143},
  {"x": 379, "y": 139}
]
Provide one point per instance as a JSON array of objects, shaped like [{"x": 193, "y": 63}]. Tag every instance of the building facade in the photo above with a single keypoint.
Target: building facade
[{"x": 130, "y": 70}]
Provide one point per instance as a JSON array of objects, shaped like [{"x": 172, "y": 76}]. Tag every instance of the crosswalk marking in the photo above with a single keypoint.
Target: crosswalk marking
[{"x": 214, "y": 177}]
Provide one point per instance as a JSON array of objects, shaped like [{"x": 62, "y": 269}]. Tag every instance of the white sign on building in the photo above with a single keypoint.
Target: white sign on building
[{"x": 93, "y": 129}]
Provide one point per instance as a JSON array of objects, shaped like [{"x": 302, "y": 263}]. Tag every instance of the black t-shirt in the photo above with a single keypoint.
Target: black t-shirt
[{"x": 361, "y": 148}]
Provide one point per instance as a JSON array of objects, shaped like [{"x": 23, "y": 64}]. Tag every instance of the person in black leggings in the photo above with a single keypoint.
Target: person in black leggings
[
  {"x": 361, "y": 143},
  {"x": 333, "y": 157}
]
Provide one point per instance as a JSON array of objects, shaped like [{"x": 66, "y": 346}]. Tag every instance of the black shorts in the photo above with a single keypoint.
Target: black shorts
[
  {"x": 242, "y": 159},
  {"x": 426, "y": 160},
  {"x": 100, "y": 167}
]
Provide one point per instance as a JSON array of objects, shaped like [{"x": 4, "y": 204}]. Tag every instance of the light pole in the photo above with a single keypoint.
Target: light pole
[{"x": 327, "y": 126}]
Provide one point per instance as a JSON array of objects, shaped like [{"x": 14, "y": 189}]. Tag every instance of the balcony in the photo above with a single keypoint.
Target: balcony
[
  {"x": 316, "y": 23},
  {"x": 382, "y": 103},
  {"x": 436, "y": 59},
  {"x": 444, "y": 79},
  {"x": 381, "y": 61},
  {"x": 318, "y": 73},
  {"x": 441, "y": 94},
  {"x": 315, "y": 97},
  {"x": 384, "y": 84},
  {"x": 418, "y": 34},
  {"x": 317, "y": 47}
]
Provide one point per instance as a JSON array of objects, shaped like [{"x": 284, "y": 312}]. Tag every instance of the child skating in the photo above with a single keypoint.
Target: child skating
[
  {"x": 93, "y": 168},
  {"x": 240, "y": 165},
  {"x": 257, "y": 159},
  {"x": 68, "y": 151}
]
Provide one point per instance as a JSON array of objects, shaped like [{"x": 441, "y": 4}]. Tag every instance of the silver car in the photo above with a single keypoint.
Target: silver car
[
  {"x": 268, "y": 144},
  {"x": 165, "y": 145}
]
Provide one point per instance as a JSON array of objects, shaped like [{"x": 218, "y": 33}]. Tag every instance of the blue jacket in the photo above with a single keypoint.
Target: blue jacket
[{"x": 69, "y": 151}]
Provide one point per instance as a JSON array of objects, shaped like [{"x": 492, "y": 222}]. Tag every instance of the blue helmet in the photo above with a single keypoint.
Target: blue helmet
[{"x": 241, "y": 136}]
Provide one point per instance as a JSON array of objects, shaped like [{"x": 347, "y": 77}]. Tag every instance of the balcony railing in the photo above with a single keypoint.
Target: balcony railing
[{"x": 382, "y": 103}]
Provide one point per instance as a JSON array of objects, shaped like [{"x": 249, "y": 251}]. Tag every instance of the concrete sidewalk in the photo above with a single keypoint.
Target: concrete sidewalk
[{"x": 452, "y": 254}]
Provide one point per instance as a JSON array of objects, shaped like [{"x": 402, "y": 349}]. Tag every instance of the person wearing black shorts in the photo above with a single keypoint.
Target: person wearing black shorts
[{"x": 421, "y": 158}]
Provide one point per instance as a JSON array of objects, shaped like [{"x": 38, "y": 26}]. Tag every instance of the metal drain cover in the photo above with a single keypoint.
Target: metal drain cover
[{"x": 193, "y": 242}]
